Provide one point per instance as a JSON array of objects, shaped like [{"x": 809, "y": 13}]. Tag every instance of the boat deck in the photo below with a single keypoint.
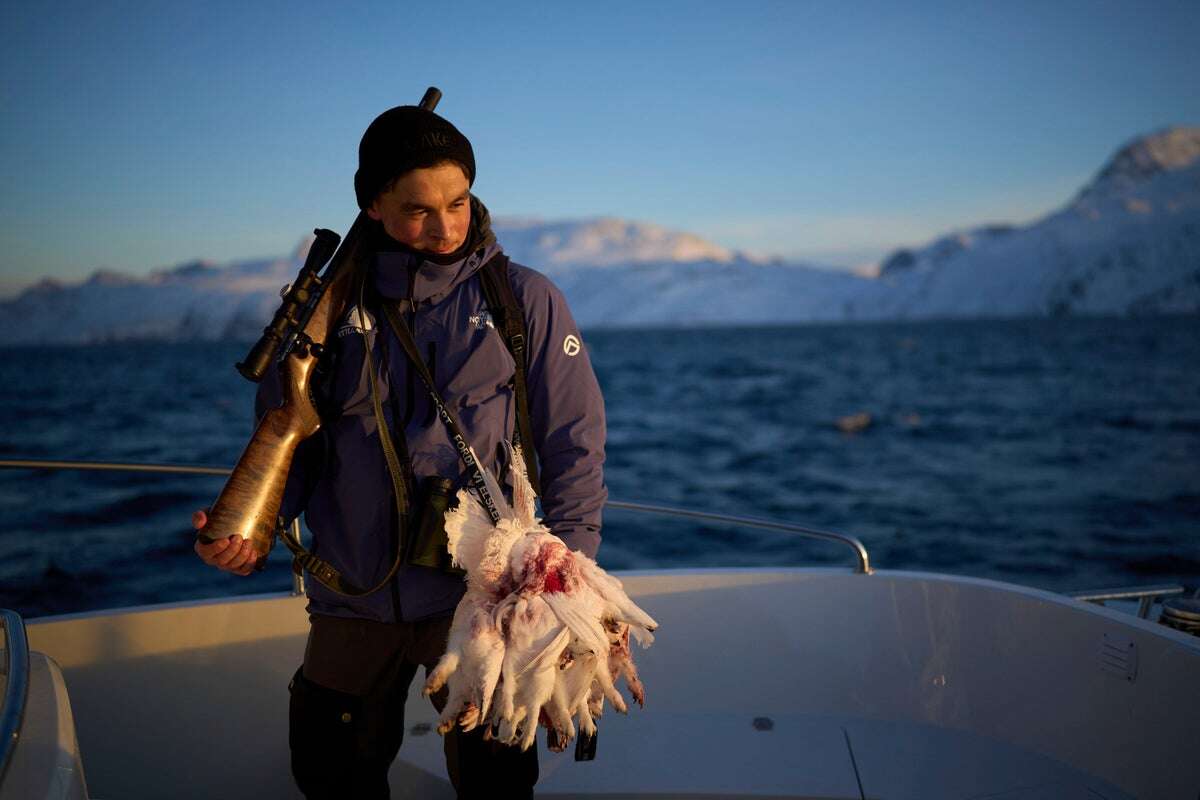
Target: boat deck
[
  {"x": 763, "y": 683},
  {"x": 801, "y": 756}
]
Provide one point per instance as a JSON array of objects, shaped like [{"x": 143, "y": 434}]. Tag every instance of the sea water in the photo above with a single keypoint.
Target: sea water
[{"x": 1057, "y": 453}]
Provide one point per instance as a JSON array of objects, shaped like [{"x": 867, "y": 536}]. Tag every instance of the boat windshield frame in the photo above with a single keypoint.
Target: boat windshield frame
[{"x": 16, "y": 685}]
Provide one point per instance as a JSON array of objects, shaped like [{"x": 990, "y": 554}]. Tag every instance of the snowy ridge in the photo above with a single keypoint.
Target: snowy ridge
[
  {"x": 554, "y": 247},
  {"x": 708, "y": 292},
  {"x": 1129, "y": 243},
  {"x": 1164, "y": 151},
  {"x": 197, "y": 300}
]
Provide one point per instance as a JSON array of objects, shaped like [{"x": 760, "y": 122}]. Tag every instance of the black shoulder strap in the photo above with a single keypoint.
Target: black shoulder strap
[{"x": 509, "y": 318}]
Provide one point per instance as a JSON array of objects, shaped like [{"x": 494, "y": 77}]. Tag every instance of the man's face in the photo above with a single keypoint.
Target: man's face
[{"x": 428, "y": 209}]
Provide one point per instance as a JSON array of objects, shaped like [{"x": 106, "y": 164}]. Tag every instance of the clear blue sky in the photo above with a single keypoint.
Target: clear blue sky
[{"x": 142, "y": 134}]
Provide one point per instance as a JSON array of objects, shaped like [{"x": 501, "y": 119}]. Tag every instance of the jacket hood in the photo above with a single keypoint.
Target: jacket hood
[{"x": 400, "y": 273}]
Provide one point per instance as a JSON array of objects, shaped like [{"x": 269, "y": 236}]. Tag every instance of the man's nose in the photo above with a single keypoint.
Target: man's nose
[{"x": 439, "y": 226}]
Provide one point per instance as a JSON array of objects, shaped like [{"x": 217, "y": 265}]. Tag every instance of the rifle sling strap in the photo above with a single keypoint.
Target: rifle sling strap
[
  {"x": 510, "y": 320},
  {"x": 321, "y": 570}
]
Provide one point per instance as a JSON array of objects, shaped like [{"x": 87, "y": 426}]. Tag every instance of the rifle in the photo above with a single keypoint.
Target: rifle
[{"x": 249, "y": 503}]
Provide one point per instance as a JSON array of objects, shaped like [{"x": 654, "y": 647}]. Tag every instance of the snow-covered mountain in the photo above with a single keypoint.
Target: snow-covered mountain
[
  {"x": 615, "y": 272},
  {"x": 197, "y": 300},
  {"x": 621, "y": 273},
  {"x": 560, "y": 247},
  {"x": 1128, "y": 243},
  {"x": 739, "y": 292}
]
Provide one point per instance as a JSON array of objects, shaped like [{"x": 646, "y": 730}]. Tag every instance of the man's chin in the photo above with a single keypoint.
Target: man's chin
[{"x": 440, "y": 250}]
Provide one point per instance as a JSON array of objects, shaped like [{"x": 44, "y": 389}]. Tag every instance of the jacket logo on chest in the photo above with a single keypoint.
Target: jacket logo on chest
[{"x": 481, "y": 320}]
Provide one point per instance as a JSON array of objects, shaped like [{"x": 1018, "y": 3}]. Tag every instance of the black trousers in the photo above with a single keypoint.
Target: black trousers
[{"x": 346, "y": 719}]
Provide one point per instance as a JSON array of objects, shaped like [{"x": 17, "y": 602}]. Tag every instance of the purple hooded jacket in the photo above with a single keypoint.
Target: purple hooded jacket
[{"x": 339, "y": 478}]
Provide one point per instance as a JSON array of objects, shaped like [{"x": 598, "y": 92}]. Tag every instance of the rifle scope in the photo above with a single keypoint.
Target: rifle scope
[{"x": 288, "y": 319}]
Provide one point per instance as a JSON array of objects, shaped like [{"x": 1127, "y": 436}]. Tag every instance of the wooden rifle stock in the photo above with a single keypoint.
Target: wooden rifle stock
[{"x": 248, "y": 505}]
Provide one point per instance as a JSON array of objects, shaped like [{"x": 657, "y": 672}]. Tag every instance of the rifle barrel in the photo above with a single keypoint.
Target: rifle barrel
[{"x": 430, "y": 100}]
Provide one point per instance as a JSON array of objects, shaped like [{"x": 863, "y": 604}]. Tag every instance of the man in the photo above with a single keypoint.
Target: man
[{"x": 347, "y": 704}]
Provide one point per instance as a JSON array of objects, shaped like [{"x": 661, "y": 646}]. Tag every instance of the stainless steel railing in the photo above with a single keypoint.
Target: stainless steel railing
[
  {"x": 112, "y": 466},
  {"x": 863, "y": 565},
  {"x": 860, "y": 551},
  {"x": 1145, "y": 595},
  {"x": 120, "y": 466},
  {"x": 16, "y": 684}
]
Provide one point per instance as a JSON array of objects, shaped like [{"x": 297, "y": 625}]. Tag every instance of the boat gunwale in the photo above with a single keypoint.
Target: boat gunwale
[{"x": 790, "y": 572}]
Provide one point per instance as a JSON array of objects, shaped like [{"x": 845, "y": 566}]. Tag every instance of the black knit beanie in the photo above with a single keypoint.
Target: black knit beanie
[{"x": 406, "y": 138}]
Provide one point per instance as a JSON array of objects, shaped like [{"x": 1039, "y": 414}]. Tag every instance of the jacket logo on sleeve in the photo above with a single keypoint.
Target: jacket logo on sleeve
[
  {"x": 356, "y": 321},
  {"x": 571, "y": 345}
]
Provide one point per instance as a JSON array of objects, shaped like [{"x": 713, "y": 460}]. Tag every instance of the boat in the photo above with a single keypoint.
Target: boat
[{"x": 798, "y": 682}]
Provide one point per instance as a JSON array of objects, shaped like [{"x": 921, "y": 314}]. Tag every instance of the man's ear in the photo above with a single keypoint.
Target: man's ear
[{"x": 373, "y": 211}]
